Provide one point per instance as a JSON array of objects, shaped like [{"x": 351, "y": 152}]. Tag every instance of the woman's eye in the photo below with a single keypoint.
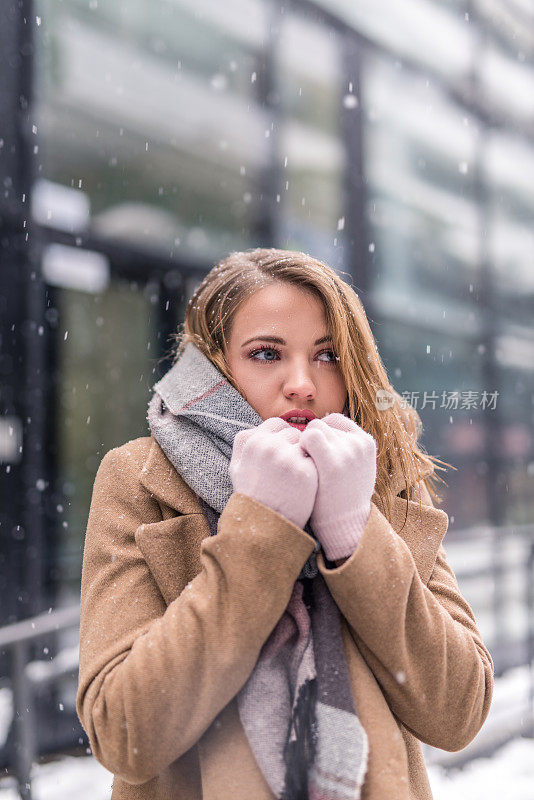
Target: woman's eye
[
  {"x": 263, "y": 350},
  {"x": 331, "y": 353}
]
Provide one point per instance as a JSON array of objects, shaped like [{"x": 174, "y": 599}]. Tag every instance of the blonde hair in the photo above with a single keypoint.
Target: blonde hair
[{"x": 208, "y": 323}]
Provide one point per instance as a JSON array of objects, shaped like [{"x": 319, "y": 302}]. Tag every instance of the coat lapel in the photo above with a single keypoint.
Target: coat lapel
[
  {"x": 423, "y": 532},
  {"x": 421, "y": 529},
  {"x": 161, "y": 478},
  {"x": 171, "y": 547}
]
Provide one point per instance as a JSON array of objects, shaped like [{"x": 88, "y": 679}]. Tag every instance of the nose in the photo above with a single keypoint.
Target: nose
[{"x": 298, "y": 383}]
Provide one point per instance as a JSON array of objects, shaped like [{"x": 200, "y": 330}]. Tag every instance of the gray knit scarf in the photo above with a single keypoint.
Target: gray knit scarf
[{"x": 296, "y": 707}]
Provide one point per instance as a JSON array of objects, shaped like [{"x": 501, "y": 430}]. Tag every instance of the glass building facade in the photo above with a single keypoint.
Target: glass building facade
[{"x": 397, "y": 146}]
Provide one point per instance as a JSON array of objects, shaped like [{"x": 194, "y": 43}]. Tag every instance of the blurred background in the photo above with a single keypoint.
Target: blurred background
[{"x": 142, "y": 141}]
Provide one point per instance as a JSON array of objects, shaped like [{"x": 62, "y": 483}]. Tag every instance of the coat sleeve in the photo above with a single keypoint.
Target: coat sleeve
[
  {"x": 419, "y": 637},
  {"x": 153, "y": 677}
]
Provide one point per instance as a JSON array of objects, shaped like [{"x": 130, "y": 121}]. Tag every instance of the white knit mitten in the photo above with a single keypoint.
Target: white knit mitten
[
  {"x": 345, "y": 457},
  {"x": 269, "y": 465}
]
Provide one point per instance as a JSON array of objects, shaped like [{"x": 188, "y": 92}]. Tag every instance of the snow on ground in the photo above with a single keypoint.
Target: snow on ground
[
  {"x": 507, "y": 775},
  {"x": 82, "y": 778}
]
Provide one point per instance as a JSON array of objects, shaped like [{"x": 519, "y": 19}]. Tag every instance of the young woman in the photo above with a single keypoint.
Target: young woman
[{"x": 267, "y": 609}]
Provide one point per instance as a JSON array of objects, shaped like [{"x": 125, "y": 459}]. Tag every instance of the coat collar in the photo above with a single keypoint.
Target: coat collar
[{"x": 160, "y": 477}]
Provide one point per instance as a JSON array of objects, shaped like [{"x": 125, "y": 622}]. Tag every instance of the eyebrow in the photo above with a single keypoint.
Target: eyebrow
[{"x": 278, "y": 340}]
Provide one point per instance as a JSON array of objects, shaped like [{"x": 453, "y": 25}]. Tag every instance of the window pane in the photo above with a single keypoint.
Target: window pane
[
  {"x": 506, "y": 85},
  {"x": 151, "y": 110},
  {"x": 504, "y": 66},
  {"x": 442, "y": 377},
  {"x": 509, "y": 175},
  {"x": 104, "y": 371},
  {"x": 422, "y": 215},
  {"x": 311, "y": 152},
  {"x": 432, "y": 33}
]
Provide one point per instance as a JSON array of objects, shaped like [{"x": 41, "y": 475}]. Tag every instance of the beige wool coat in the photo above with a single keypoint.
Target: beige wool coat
[{"x": 173, "y": 621}]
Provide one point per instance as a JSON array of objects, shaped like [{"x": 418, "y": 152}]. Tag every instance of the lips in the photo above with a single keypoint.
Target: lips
[{"x": 299, "y": 412}]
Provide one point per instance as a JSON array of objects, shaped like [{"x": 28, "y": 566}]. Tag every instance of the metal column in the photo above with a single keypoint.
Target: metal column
[{"x": 22, "y": 407}]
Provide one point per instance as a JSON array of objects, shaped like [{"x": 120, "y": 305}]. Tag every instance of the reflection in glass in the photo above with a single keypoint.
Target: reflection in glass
[{"x": 103, "y": 376}]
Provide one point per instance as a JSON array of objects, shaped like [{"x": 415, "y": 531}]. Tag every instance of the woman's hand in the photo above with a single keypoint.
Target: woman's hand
[
  {"x": 269, "y": 465},
  {"x": 345, "y": 457}
]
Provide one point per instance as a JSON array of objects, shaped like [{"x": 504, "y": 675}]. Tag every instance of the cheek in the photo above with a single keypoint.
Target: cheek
[
  {"x": 339, "y": 390},
  {"x": 258, "y": 391},
  {"x": 254, "y": 382},
  {"x": 338, "y": 383}
]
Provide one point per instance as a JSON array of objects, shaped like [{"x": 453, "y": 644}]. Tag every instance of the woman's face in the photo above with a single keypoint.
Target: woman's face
[{"x": 295, "y": 372}]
